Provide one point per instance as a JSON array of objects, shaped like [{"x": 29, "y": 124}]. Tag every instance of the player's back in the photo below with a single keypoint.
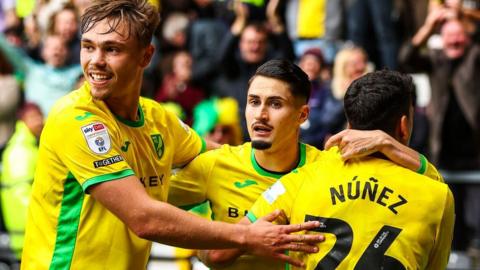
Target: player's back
[{"x": 375, "y": 215}]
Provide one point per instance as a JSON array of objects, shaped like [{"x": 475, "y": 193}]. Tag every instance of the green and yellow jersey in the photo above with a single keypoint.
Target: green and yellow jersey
[
  {"x": 374, "y": 214},
  {"x": 84, "y": 144},
  {"x": 231, "y": 180}
]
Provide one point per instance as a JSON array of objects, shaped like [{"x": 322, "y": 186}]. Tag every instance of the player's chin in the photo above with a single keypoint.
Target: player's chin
[
  {"x": 99, "y": 94},
  {"x": 261, "y": 144}
]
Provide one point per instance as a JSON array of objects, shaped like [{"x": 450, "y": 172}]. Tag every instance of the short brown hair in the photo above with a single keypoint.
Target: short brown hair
[{"x": 141, "y": 17}]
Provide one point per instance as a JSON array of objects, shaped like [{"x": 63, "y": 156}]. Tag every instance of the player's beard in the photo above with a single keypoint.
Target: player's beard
[{"x": 261, "y": 145}]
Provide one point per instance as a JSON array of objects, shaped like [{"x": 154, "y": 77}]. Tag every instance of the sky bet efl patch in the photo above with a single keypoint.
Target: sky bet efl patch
[{"x": 97, "y": 137}]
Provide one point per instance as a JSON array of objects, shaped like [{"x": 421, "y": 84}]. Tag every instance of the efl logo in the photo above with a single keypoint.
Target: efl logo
[
  {"x": 97, "y": 137},
  {"x": 97, "y": 127}
]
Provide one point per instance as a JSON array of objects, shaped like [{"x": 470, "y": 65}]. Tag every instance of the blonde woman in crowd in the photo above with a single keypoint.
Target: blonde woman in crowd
[{"x": 350, "y": 63}]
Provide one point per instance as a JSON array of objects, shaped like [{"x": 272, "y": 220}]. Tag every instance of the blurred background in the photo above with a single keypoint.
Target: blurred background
[{"x": 206, "y": 51}]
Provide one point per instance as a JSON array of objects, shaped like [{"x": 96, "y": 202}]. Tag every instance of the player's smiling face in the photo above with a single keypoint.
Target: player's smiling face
[
  {"x": 273, "y": 119},
  {"x": 111, "y": 62}
]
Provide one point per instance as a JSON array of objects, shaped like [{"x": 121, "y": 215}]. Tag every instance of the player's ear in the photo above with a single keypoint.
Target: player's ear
[
  {"x": 147, "y": 55},
  {"x": 304, "y": 113},
  {"x": 404, "y": 129}
]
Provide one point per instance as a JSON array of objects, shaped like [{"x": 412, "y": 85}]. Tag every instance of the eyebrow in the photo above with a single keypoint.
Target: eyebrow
[
  {"x": 268, "y": 98},
  {"x": 104, "y": 43}
]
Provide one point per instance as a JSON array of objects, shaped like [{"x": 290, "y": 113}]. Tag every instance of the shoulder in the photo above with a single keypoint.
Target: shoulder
[
  {"x": 155, "y": 113},
  {"x": 225, "y": 151},
  {"x": 408, "y": 178},
  {"x": 315, "y": 155},
  {"x": 77, "y": 111}
]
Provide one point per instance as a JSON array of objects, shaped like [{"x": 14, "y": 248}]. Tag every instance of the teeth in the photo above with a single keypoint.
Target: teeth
[{"x": 98, "y": 77}]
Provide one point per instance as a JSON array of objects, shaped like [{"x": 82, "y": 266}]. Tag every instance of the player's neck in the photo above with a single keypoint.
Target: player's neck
[
  {"x": 279, "y": 160},
  {"x": 126, "y": 105},
  {"x": 126, "y": 109}
]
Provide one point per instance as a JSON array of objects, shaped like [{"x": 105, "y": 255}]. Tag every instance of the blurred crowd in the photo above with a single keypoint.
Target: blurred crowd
[{"x": 206, "y": 51}]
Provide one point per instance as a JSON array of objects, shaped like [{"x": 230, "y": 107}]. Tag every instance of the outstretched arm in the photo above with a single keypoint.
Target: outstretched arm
[
  {"x": 225, "y": 257},
  {"x": 16, "y": 56},
  {"x": 358, "y": 143},
  {"x": 158, "y": 221}
]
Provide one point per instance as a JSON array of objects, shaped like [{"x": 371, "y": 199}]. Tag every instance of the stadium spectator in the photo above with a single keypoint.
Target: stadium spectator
[
  {"x": 217, "y": 120},
  {"x": 326, "y": 112},
  {"x": 177, "y": 86},
  {"x": 454, "y": 109},
  {"x": 466, "y": 11},
  {"x": 377, "y": 215},
  {"x": 244, "y": 49},
  {"x": 350, "y": 63},
  {"x": 175, "y": 30},
  {"x": 97, "y": 198},
  {"x": 315, "y": 24},
  {"x": 44, "y": 82},
  {"x": 231, "y": 178},
  {"x": 367, "y": 18},
  {"x": 19, "y": 162},
  {"x": 64, "y": 23},
  {"x": 10, "y": 96},
  {"x": 8, "y": 17}
]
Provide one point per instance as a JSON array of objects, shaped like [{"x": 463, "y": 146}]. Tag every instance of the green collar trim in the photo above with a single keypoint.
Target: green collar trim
[
  {"x": 263, "y": 172},
  {"x": 131, "y": 123}
]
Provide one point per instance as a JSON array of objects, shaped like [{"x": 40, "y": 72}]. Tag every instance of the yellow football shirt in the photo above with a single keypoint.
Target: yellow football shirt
[
  {"x": 230, "y": 179},
  {"x": 374, "y": 214},
  {"x": 84, "y": 144}
]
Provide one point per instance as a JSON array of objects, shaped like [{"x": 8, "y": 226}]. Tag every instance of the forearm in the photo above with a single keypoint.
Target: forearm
[
  {"x": 161, "y": 222},
  {"x": 421, "y": 36},
  {"x": 172, "y": 226},
  {"x": 219, "y": 258},
  {"x": 400, "y": 154},
  {"x": 222, "y": 257},
  {"x": 15, "y": 55},
  {"x": 358, "y": 143}
]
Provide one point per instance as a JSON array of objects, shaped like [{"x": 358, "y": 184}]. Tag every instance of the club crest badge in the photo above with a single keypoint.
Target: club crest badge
[
  {"x": 158, "y": 144},
  {"x": 96, "y": 135}
]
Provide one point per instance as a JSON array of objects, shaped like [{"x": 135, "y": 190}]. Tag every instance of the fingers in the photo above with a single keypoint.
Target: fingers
[
  {"x": 290, "y": 260},
  {"x": 356, "y": 151},
  {"x": 335, "y": 140},
  {"x": 302, "y": 238},
  {"x": 301, "y": 227},
  {"x": 301, "y": 247},
  {"x": 272, "y": 216}
]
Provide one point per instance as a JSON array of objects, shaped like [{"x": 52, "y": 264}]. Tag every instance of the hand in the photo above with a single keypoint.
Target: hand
[
  {"x": 357, "y": 143},
  {"x": 241, "y": 17},
  {"x": 436, "y": 16},
  {"x": 269, "y": 240},
  {"x": 273, "y": 18}
]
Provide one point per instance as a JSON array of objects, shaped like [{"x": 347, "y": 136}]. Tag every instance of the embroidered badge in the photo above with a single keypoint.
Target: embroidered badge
[
  {"x": 97, "y": 137},
  {"x": 158, "y": 144}
]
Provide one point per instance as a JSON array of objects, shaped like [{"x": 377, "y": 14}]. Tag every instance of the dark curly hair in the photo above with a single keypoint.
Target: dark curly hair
[{"x": 378, "y": 100}]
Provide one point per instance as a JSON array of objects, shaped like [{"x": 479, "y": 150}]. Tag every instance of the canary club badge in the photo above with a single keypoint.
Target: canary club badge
[{"x": 97, "y": 137}]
